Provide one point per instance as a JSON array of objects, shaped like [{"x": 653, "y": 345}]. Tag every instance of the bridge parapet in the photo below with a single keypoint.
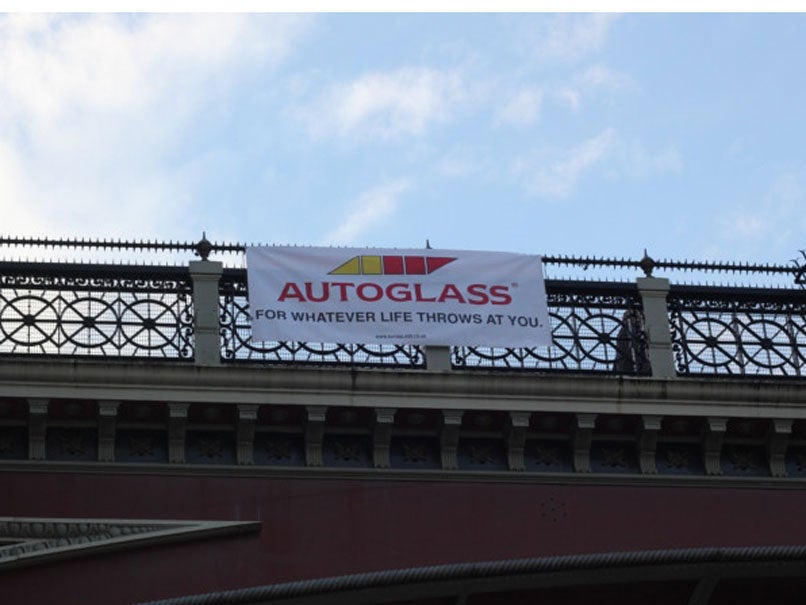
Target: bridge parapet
[{"x": 199, "y": 313}]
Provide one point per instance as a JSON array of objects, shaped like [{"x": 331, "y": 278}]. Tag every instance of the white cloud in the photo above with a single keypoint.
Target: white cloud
[
  {"x": 93, "y": 109},
  {"x": 558, "y": 178},
  {"x": 386, "y": 105},
  {"x": 569, "y": 96},
  {"x": 600, "y": 76},
  {"x": 776, "y": 227},
  {"x": 591, "y": 82},
  {"x": 522, "y": 109},
  {"x": 570, "y": 37},
  {"x": 367, "y": 211},
  {"x": 463, "y": 161},
  {"x": 636, "y": 162}
]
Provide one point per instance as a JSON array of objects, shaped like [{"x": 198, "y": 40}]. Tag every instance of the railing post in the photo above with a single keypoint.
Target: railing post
[
  {"x": 205, "y": 275},
  {"x": 654, "y": 291},
  {"x": 438, "y": 359}
]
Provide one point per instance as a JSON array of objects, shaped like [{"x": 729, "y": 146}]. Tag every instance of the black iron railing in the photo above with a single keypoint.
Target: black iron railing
[
  {"x": 738, "y": 331},
  {"x": 126, "y": 311},
  {"x": 596, "y": 327},
  {"x": 96, "y": 310}
]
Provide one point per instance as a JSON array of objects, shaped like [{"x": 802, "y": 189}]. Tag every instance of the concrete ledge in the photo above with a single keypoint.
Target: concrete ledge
[{"x": 396, "y": 388}]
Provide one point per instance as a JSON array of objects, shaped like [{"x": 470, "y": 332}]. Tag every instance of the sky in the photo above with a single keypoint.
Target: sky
[{"x": 581, "y": 134}]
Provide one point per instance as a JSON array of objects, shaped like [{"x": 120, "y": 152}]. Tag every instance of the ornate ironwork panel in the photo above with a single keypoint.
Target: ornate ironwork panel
[
  {"x": 738, "y": 331},
  {"x": 237, "y": 345},
  {"x": 96, "y": 310},
  {"x": 596, "y": 327}
]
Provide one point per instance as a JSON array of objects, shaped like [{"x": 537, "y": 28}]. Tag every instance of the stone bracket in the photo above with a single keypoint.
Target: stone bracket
[
  {"x": 647, "y": 444},
  {"x": 314, "y": 432},
  {"x": 449, "y": 438},
  {"x": 382, "y": 436},
  {"x": 37, "y": 428},
  {"x": 777, "y": 442},
  {"x": 582, "y": 434},
  {"x": 713, "y": 437},
  {"x": 245, "y": 433},
  {"x": 107, "y": 416},
  {"x": 177, "y": 428},
  {"x": 516, "y": 440}
]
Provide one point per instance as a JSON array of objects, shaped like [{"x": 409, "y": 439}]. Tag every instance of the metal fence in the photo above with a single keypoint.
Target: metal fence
[
  {"x": 738, "y": 331},
  {"x": 96, "y": 311},
  {"x": 596, "y": 327},
  {"x": 129, "y": 312}
]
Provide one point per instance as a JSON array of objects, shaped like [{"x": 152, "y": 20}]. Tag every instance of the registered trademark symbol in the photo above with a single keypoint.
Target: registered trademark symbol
[{"x": 514, "y": 284}]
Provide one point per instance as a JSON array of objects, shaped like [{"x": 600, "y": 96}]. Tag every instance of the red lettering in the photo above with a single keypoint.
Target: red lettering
[
  {"x": 500, "y": 295},
  {"x": 291, "y": 290},
  {"x": 398, "y": 292},
  {"x": 477, "y": 290},
  {"x": 311, "y": 297},
  {"x": 451, "y": 292},
  {"x": 362, "y": 288},
  {"x": 418, "y": 294},
  {"x": 342, "y": 288}
]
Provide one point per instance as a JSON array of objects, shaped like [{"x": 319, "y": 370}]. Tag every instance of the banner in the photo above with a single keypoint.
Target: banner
[{"x": 424, "y": 297}]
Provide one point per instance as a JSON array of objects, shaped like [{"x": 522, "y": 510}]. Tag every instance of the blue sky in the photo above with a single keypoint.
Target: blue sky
[{"x": 536, "y": 133}]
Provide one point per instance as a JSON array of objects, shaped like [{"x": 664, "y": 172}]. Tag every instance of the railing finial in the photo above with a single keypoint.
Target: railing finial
[
  {"x": 203, "y": 247},
  {"x": 647, "y": 264}
]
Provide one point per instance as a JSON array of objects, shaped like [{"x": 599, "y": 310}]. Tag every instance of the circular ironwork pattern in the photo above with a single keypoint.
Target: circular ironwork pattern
[
  {"x": 589, "y": 333},
  {"x": 98, "y": 315},
  {"x": 740, "y": 337},
  {"x": 27, "y": 320}
]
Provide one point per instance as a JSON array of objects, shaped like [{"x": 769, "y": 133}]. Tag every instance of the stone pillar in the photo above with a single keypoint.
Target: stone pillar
[
  {"x": 516, "y": 440},
  {"x": 107, "y": 415},
  {"x": 583, "y": 432},
  {"x": 37, "y": 428},
  {"x": 206, "y": 275},
  {"x": 382, "y": 437},
  {"x": 177, "y": 426},
  {"x": 449, "y": 438},
  {"x": 438, "y": 359},
  {"x": 654, "y": 291},
  {"x": 245, "y": 433},
  {"x": 314, "y": 431}
]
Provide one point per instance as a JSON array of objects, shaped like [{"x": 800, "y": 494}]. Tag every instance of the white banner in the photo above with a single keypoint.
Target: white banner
[{"x": 425, "y": 297}]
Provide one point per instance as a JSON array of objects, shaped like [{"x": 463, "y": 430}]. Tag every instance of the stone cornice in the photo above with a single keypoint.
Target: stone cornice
[
  {"x": 425, "y": 476},
  {"x": 396, "y": 388}
]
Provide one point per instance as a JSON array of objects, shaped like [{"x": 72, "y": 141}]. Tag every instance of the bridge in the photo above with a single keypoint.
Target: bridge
[{"x": 151, "y": 452}]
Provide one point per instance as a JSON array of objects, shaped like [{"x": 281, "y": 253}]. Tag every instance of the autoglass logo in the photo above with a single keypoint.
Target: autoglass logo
[
  {"x": 392, "y": 265},
  {"x": 341, "y": 288}
]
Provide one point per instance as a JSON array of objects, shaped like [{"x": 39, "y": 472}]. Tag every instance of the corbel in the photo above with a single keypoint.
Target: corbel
[
  {"x": 647, "y": 444},
  {"x": 107, "y": 421},
  {"x": 516, "y": 440},
  {"x": 582, "y": 434},
  {"x": 777, "y": 442},
  {"x": 382, "y": 436},
  {"x": 245, "y": 433},
  {"x": 314, "y": 431},
  {"x": 37, "y": 428},
  {"x": 713, "y": 437},
  {"x": 449, "y": 438},
  {"x": 177, "y": 428}
]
